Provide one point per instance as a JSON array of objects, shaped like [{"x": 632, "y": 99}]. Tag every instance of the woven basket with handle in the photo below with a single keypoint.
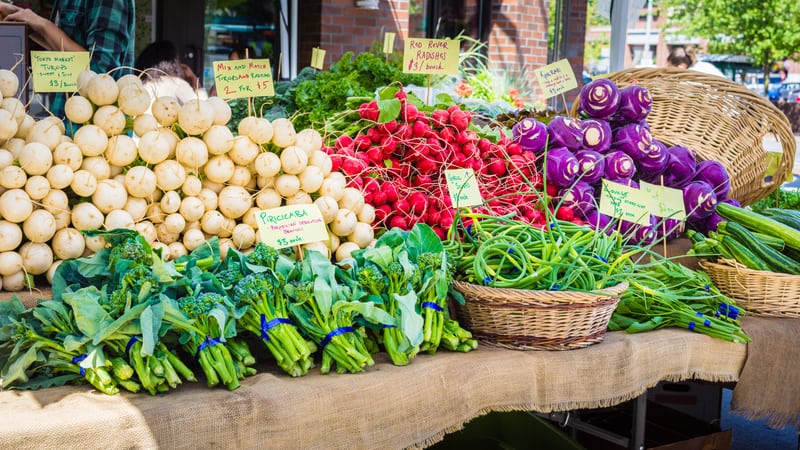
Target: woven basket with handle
[
  {"x": 537, "y": 320},
  {"x": 720, "y": 120},
  {"x": 759, "y": 292}
]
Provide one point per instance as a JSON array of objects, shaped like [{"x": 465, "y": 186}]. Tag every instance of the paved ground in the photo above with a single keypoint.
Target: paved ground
[{"x": 755, "y": 435}]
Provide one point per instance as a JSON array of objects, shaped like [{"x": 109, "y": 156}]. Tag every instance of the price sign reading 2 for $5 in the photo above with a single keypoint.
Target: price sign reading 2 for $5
[
  {"x": 288, "y": 226},
  {"x": 244, "y": 78}
]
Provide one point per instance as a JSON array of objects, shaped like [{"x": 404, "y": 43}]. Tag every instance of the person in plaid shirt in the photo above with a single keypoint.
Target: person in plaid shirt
[{"x": 105, "y": 28}]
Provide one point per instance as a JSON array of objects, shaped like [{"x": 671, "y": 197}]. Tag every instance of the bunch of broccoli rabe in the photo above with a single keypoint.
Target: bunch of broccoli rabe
[{"x": 124, "y": 318}]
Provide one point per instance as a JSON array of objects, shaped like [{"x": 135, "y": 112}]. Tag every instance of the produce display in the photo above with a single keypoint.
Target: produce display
[{"x": 146, "y": 226}]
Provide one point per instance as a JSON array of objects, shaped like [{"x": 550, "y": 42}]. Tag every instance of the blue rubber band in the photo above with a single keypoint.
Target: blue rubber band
[
  {"x": 432, "y": 305},
  {"x": 335, "y": 333},
  {"x": 601, "y": 258},
  {"x": 129, "y": 345},
  {"x": 511, "y": 250},
  {"x": 266, "y": 326},
  {"x": 487, "y": 280},
  {"x": 708, "y": 288},
  {"x": 699, "y": 314},
  {"x": 207, "y": 343},
  {"x": 707, "y": 323},
  {"x": 691, "y": 326},
  {"x": 555, "y": 287},
  {"x": 388, "y": 325},
  {"x": 469, "y": 229},
  {"x": 76, "y": 360}
]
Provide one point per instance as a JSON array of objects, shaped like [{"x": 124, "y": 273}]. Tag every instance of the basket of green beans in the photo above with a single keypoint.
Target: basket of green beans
[{"x": 531, "y": 288}]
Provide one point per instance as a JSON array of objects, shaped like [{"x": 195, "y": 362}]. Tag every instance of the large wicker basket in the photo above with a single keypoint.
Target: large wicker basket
[
  {"x": 537, "y": 320},
  {"x": 720, "y": 120},
  {"x": 759, "y": 292}
]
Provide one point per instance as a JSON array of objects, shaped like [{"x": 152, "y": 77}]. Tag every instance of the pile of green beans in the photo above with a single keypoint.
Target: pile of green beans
[{"x": 505, "y": 253}]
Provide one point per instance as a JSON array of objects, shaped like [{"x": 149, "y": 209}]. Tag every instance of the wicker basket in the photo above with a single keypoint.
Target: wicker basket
[
  {"x": 759, "y": 292},
  {"x": 720, "y": 120},
  {"x": 537, "y": 320}
]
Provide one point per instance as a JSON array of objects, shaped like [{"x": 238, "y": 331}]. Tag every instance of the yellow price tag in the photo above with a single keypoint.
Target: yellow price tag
[
  {"x": 233, "y": 79},
  {"x": 317, "y": 58},
  {"x": 556, "y": 78},
  {"x": 261, "y": 77},
  {"x": 57, "y": 71},
  {"x": 388, "y": 42},
  {"x": 287, "y": 226},
  {"x": 431, "y": 56},
  {"x": 624, "y": 202},
  {"x": 663, "y": 201}
]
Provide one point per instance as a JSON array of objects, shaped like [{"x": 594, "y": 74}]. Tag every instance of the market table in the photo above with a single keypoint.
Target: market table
[{"x": 384, "y": 407}]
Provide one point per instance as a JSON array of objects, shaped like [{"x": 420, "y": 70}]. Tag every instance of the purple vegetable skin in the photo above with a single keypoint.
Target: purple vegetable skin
[
  {"x": 596, "y": 135},
  {"x": 619, "y": 166},
  {"x": 635, "y": 103},
  {"x": 565, "y": 132},
  {"x": 714, "y": 173},
  {"x": 591, "y": 165},
  {"x": 530, "y": 134},
  {"x": 599, "y": 98},
  {"x": 699, "y": 199},
  {"x": 561, "y": 167}
]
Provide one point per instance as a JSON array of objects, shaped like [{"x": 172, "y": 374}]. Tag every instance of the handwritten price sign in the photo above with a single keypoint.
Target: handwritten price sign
[
  {"x": 624, "y": 202},
  {"x": 556, "y": 78},
  {"x": 292, "y": 225},
  {"x": 57, "y": 71},
  {"x": 463, "y": 188},
  {"x": 430, "y": 56},
  {"x": 664, "y": 201},
  {"x": 244, "y": 78}
]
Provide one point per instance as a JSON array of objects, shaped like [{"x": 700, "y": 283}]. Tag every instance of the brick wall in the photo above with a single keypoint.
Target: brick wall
[
  {"x": 576, "y": 39},
  {"x": 337, "y": 26},
  {"x": 518, "y": 40}
]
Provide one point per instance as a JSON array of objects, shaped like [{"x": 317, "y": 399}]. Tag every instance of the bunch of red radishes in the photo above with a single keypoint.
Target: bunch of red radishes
[{"x": 400, "y": 164}]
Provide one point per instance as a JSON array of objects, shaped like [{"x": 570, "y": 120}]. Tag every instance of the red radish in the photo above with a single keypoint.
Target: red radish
[
  {"x": 390, "y": 191},
  {"x": 378, "y": 198},
  {"x": 344, "y": 141},
  {"x": 362, "y": 142},
  {"x": 564, "y": 213},
  {"x": 369, "y": 111},
  {"x": 371, "y": 184},
  {"x": 552, "y": 190},
  {"x": 440, "y": 117},
  {"x": 433, "y": 217},
  {"x": 440, "y": 232},
  {"x": 401, "y": 95},
  {"x": 460, "y": 119},
  {"x": 497, "y": 167},
  {"x": 421, "y": 129},
  {"x": 382, "y": 212},
  {"x": 469, "y": 149},
  {"x": 446, "y": 222},
  {"x": 418, "y": 202},
  {"x": 375, "y": 154},
  {"x": 398, "y": 222},
  {"x": 375, "y": 135},
  {"x": 404, "y": 132},
  {"x": 484, "y": 144},
  {"x": 353, "y": 166},
  {"x": 336, "y": 162},
  {"x": 447, "y": 135},
  {"x": 388, "y": 145},
  {"x": 427, "y": 166},
  {"x": 403, "y": 206},
  {"x": 409, "y": 113},
  {"x": 388, "y": 127}
]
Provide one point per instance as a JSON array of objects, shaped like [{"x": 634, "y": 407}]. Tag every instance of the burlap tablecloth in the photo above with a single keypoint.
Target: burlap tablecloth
[{"x": 386, "y": 407}]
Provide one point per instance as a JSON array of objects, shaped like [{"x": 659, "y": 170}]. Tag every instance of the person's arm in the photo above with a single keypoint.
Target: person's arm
[
  {"x": 42, "y": 31},
  {"x": 110, "y": 32}
]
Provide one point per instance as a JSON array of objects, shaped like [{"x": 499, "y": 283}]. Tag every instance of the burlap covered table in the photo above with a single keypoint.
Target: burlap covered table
[{"x": 386, "y": 407}]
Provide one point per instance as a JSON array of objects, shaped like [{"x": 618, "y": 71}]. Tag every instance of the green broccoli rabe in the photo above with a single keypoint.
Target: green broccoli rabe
[
  {"x": 205, "y": 343},
  {"x": 229, "y": 277},
  {"x": 131, "y": 249},
  {"x": 267, "y": 316},
  {"x": 372, "y": 279},
  {"x": 263, "y": 255}
]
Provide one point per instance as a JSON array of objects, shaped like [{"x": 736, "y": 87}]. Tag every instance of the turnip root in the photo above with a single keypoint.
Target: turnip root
[
  {"x": 91, "y": 139},
  {"x": 15, "y": 205},
  {"x": 192, "y": 152},
  {"x": 283, "y": 133},
  {"x": 218, "y": 139},
  {"x": 121, "y": 150},
  {"x": 68, "y": 243},
  {"x": 10, "y": 236},
  {"x": 144, "y": 123},
  {"x": 36, "y": 257},
  {"x": 110, "y": 195},
  {"x": 13, "y": 177},
  {"x": 11, "y": 262},
  {"x": 234, "y": 201},
  {"x": 244, "y": 151},
  {"x": 102, "y": 89},
  {"x": 86, "y": 216},
  {"x": 118, "y": 218},
  {"x": 195, "y": 117},
  {"x": 9, "y": 83},
  {"x": 111, "y": 119},
  {"x": 170, "y": 175},
  {"x": 165, "y": 109},
  {"x": 68, "y": 153},
  {"x": 37, "y": 187},
  {"x": 222, "y": 111},
  {"x": 140, "y": 182},
  {"x": 35, "y": 158},
  {"x": 98, "y": 166}
]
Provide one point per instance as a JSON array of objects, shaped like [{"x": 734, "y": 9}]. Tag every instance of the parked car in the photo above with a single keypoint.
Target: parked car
[
  {"x": 793, "y": 97},
  {"x": 781, "y": 92}
]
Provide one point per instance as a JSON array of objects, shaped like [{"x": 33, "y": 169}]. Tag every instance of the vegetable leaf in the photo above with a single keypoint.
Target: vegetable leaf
[{"x": 90, "y": 317}]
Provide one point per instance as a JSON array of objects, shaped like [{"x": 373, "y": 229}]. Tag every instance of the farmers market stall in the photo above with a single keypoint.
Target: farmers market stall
[{"x": 385, "y": 407}]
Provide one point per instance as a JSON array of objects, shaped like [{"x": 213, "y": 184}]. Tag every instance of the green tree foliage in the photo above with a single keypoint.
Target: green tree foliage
[{"x": 766, "y": 30}]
